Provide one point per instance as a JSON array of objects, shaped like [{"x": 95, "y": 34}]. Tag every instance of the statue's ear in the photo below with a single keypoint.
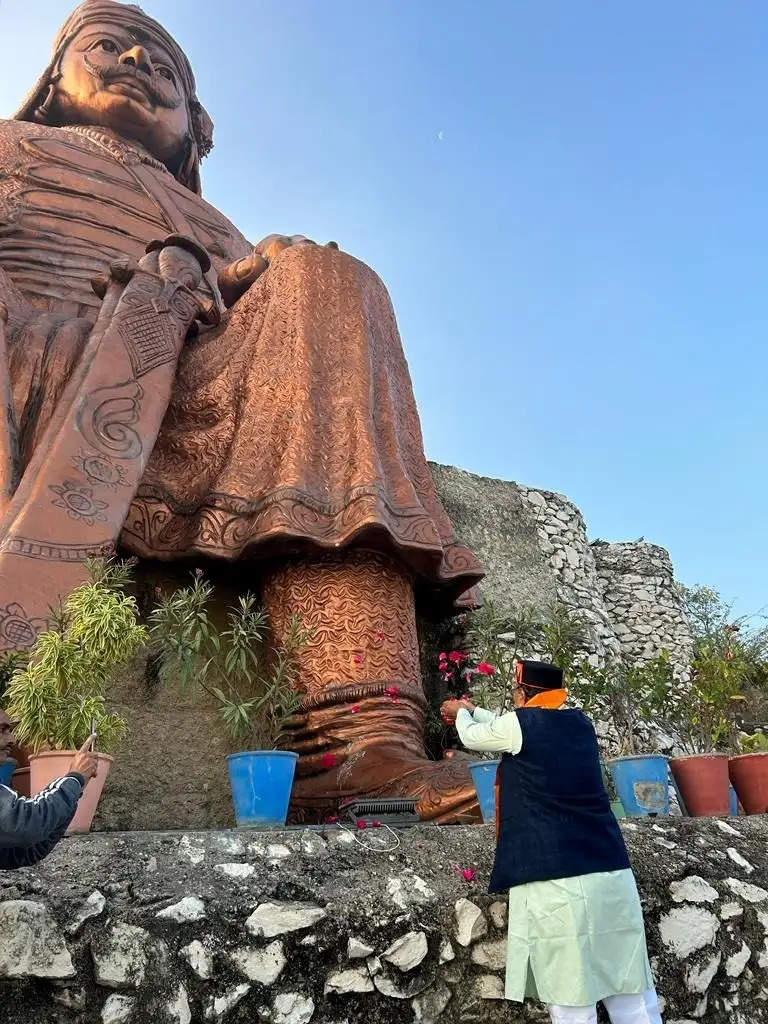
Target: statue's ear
[
  {"x": 202, "y": 128},
  {"x": 188, "y": 173}
]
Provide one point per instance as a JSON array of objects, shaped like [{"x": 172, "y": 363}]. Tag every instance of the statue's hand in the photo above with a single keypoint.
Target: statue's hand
[{"x": 238, "y": 277}]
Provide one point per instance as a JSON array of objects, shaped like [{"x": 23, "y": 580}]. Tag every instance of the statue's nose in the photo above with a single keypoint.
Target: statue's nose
[{"x": 138, "y": 57}]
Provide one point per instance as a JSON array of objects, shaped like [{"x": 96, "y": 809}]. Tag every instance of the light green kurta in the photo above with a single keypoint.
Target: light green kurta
[{"x": 572, "y": 941}]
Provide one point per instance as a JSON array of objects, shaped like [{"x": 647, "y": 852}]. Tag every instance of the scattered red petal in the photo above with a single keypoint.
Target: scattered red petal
[
  {"x": 392, "y": 691},
  {"x": 328, "y": 761},
  {"x": 381, "y": 636},
  {"x": 361, "y": 825},
  {"x": 375, "y": 824},
  {"x": 468, "y": 874},
  {"x": 358, "y": 659},
  {"x": 355, "y": 708},
  {"x": 333, "y": 820}
]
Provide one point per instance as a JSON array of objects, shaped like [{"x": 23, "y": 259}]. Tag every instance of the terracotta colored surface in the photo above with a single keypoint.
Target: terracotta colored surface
[
  {"x": 46, "y": 767},
  {"x": 288, "y": 430},
  {"x": 703, "y": 783},
  {"x": 20, "y": 782},
  {"x": 749, "y": 775}
]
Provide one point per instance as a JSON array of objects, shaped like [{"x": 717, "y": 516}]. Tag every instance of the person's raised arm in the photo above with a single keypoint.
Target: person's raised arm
[{"x": 483, "y": 730}]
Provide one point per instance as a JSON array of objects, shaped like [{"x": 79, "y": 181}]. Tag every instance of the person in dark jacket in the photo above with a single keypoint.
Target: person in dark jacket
[
  {"x": 31, "y": 827},
  {"x": 576, "y": 934}
]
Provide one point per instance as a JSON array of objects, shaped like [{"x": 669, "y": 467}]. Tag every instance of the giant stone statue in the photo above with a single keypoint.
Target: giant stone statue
[{"x": 168, "y": 388}]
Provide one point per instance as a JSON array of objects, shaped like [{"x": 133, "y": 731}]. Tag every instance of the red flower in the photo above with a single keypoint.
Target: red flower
[
  {"x": 361, "y": 825},
  {"x": 328, "y": 761},
  {"x": 443, "y": 656},
  {"x": 485, "y": 669},
  {"x": 457, "y": 657},
  {"x": 333, "y": 820},
  {"x": 392, "y": 691},
  {"x": 381, "y": 636},
  {"x": 375, "y": 824},
  {"x": 355, "y": 708},
  {"x": 358, "y": 659},
  {"x": 468, "y": 874}
]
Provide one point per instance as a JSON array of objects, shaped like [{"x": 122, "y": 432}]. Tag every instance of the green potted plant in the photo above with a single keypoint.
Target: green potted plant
[
  {"x": 748, "y": 772},
  {"x": 58, "y": 698},
  {"x": 626, "y": 692},
  {"x": 253, "y": 685}
]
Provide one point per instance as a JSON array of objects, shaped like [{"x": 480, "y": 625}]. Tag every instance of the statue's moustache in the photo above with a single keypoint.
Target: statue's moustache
[{"x": 153, "y": 85}]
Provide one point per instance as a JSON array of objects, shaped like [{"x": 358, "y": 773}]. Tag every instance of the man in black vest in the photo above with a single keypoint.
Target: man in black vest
[{"x": 576, "y": 934}]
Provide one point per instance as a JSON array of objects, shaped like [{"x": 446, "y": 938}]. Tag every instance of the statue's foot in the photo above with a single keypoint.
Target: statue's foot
[{"x": 370, "y": 745}]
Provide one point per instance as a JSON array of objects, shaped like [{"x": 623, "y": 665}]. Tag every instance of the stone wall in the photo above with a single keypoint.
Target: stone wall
[
  {"x": 300, "y": 927},
  {"x": 637, "y": 583},
  {"x": 534, "y": 544}
]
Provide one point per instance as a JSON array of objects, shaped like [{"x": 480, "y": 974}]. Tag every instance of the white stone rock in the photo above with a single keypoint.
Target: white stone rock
[
  {"x": 470, "y": 922},
  {"x": 229, "y": 844},
  {"x": 308, "y": 940},
  {"x": 354, "y": 979},
  {"x": 313, "y": 845},
  {"x": 734, "y": 965},
  {"x": 407, "y": 890},
  {"x": 489, "y": 986},
  {"x": 698, "y": 979},
  {"x": 429, "y": 1005},
  {"x": 747, "y": 891},
  {"x": 693, "y": 889},
  {"x": 191, "y": 851},
  {"x": 277, "y": 852},
  {"x": 235, "y": 870},
  {"x": 731, "y": 910},
  {"x": 262, "y": 965},
  {"x": 151, "y": 866},
  {"x": 408, "y": 951},
  {"x": 446, "y": 952},
  {"x": 31, "y": 945},
  {"x": 117, "y": 1009},
  {"x": 374, "y": 966},
  {"x": 120, "y": 956},
  {"x": 92, "y": 907},
  {"x": 186, "y": 911},
  {"x": 498, "y": 914},
  {"x": 357, "y": 950},
  {"x": 271, "y": 919},
  {"x": 219, "y": 1006},
  {"x": 492, "y": 955},
  {"x": 686, "y": 929},
  {"x": 292, "y": 1008},
  {"x": 177, "y": 1009},
  {"x": 199, "y": 959},
  {"x": 725, "y": 827},
  {"x": 737, "y": 858}
]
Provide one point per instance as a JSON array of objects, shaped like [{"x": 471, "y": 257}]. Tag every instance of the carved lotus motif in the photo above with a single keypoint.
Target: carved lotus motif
[{"x": 79, "y": 502}]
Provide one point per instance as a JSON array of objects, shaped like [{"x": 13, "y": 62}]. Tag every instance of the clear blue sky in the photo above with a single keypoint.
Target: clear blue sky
[{"x": 568, "y": 203}]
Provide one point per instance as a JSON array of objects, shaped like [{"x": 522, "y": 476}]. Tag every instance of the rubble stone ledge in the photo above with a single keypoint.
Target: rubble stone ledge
[{"x": 293, "y": 927}]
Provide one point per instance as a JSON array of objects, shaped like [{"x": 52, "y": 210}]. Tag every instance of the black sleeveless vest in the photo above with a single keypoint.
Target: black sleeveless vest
[{"x": 555, "y": 819}]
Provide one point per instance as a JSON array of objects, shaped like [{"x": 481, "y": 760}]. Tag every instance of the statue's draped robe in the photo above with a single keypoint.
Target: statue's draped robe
[{"x": 293, "y": 425}]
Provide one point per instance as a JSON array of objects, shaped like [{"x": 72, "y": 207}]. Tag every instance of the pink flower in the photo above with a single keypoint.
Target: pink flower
[
  {"x": 447, "y": 676},
  {"x": 468, "y": 874},
  {"x": 442, "y": 656},
  {"x": 361, "y": 825},
  {"x": 358, "y": 659},
  {"x": 355, "y": 708},
  {"x": 375, "y": 824},
  {"x": 457, "y": 657},
  {"x": 328, "y": 761},
  {"x": 392, "y": 691},
  {"x": 485, "y": 669}
]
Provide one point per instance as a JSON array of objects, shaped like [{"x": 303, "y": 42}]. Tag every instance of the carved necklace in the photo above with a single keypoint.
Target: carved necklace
[{"x": 120, "y": 150}]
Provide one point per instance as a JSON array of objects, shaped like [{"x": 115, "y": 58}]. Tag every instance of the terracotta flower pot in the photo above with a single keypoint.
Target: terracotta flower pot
[
  {"x": 703, "y": 783},
  {"x": 749, "y": 775},
  {"x": 52, "y": 764},
  {"x": 20, "y": 781}
]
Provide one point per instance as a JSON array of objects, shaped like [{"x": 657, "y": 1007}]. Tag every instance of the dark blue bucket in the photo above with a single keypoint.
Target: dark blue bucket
[
  {"x": 642, "y": 784},
  {"x": 7, "y": 768},
  {"x": 261, "y": 783},
  {"x": 484, "y": 778}
]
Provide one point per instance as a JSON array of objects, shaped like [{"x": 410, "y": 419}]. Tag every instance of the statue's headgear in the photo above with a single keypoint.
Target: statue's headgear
[{"x": 35, "y": 106}]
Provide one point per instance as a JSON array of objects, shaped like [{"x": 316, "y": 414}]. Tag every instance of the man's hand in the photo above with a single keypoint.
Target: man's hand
[
  {"x": 84, "y": 762},
  {"x": 238, "y": 277},
  {"x": 451, "y": 708}
]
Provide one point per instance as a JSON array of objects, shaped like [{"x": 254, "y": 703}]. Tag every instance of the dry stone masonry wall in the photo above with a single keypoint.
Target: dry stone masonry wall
[{"x": 301, "y": 927}]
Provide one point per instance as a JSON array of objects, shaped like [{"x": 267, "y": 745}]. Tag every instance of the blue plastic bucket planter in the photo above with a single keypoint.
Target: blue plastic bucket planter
[
  {"x": 7, "y": 768},
  {"x": 734, "y": 800},
  {"x": 484, "y": 778},
  {"x": 642, "y": 784},
  {"x": 261, "y": 783}
]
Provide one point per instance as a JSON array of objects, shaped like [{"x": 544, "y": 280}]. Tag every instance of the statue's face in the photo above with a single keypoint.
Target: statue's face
[{"x": 115, "y": 77}]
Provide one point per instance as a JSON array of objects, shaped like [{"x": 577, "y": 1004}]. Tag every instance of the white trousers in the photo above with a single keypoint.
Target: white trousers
[{"x": 641, "y": 1009}]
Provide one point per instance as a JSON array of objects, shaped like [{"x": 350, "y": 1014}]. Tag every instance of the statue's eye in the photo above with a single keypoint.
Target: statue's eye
[
  {"x": 166, "y": 73},
  {"x": 107, "y": 46}
]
